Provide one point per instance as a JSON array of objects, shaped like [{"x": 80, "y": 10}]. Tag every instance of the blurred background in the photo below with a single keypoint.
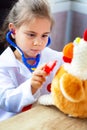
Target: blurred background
[
  {"x": 70, "y": 18},
  {"x": 70, "y": 21}
]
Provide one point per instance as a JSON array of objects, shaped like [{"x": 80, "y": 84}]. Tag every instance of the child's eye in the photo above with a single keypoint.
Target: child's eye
[
  {"x": 45, "y": 36},
  {"x": 31, "y": 35}
]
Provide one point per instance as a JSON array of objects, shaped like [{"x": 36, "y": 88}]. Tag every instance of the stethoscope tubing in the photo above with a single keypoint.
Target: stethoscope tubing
[{"x": 24, "y": 59}]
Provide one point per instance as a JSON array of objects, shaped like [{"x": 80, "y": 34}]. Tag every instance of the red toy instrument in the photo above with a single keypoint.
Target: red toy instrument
[{"x": 50, "y": 66}]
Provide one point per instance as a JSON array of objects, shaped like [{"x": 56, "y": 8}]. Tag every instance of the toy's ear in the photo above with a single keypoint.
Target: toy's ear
[
  {"x": 68, "y": 52},
  {"x": 72, "y": 88}
]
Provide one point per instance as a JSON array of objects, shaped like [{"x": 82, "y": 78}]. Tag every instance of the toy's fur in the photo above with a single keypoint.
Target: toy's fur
[
  {"x": 69, "y": 85},
  {"x": 69, "y": 94}
]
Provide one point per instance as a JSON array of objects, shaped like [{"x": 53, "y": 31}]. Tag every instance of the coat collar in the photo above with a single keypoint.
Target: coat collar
[{"x": 7, "y": 59}]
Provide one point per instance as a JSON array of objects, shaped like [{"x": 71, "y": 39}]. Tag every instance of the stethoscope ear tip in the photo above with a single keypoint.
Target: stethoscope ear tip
[
  {"x": 49, "y": 42},
  {"x": 8, "y": 38}
]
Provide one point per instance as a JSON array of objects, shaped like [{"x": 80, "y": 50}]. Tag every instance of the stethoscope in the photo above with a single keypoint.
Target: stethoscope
[{"x": 24, "y": 59}]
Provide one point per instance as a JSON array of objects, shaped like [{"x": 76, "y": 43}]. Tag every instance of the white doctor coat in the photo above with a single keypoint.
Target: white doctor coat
[{"x": 15, "y": 88}]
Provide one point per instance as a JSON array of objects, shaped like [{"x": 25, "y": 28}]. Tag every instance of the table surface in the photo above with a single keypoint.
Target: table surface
[{"x": 43, "y": 118}]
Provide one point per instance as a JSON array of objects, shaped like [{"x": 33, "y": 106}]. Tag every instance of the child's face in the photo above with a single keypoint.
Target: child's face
[{"x": 33, "y": 37}]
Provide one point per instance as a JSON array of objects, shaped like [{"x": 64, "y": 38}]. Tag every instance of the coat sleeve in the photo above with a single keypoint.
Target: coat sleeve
[{"x": 13, "y": 98}]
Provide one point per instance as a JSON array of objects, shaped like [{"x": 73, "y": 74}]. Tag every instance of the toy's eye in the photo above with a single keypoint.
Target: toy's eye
[{"x": 77, "y": 40}]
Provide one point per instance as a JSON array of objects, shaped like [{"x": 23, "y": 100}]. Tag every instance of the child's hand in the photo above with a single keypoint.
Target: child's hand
[
  {"x": 39, "y": 75},
  {"x": 38, "y": 78}
]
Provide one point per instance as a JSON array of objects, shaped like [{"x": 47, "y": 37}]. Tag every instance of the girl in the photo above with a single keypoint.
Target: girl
[{"x": 27, "y": 29}]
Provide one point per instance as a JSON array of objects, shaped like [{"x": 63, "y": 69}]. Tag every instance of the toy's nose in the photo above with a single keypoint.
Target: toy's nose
[{"x": 68, "y": 52}]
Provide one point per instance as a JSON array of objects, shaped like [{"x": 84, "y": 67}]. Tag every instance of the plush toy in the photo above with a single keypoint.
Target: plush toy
[{"x": 69, "y": 85}]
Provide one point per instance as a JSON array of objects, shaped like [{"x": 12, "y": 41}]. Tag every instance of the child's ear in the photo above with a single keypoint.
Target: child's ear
[{"x": 12, "y": 28}]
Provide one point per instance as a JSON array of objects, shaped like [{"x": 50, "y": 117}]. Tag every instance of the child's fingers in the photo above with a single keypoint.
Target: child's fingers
[
  {"x": 38, "y": 78},
  {"x": 39, "y": 72}
]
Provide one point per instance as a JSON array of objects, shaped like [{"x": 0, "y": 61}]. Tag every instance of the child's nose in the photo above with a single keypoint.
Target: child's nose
[{"x": 37, "y": 41}]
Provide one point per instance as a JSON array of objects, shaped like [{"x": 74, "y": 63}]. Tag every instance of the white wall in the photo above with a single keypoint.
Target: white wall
[
  {"x": 66, "y": 5},
  {"x": 70, "y": 21}
]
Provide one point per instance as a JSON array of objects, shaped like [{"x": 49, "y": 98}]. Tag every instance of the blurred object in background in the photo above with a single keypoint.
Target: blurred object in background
[
  {"x": 70, "y": 21},
  {"x": 5, "y": 6}
]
